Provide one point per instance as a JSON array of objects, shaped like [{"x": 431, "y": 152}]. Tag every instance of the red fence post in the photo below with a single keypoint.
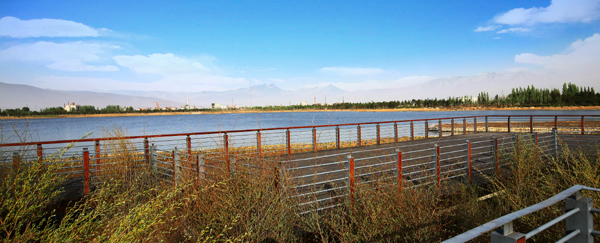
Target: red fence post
[
  {"x": 358, "y": 136},
  {"x": 464, "y": 126},
  {"x": 39, "y": 153},
  {"x": 338, "y": 145},
  {"x": 86, "y": 171},
  {"x": 426, "y": 129},
  {"x": 395, "y": 132},
  {"x": 259, "y": 144},
  {"x": 351, "y": 177},
  {"x": 314, "y": 139},
  {"x": 147, "y": 151},
  {"x": 508, "y": 123},
  {"x": 98, "y": 155},
  {"x": 470, "y": 162},
  {"x": 412, "y": 131},
  {"x": 188, "y": 140},
  {"x": 440, "y": 125},
  {"x": 399, "y": 168},
  {"x": 452, "y": 126},
  {"x": 530, "y": 124},
  {"x": 474, "y": 124},
  {"x": 582, "y": 125},
  {"x": 378, "y": 134},
  {"x": 556, "y": 122},
  {"x": 437, "y": 160},
  {"x": 175, "y": 167},
  {"x": 288, "y": 142}
]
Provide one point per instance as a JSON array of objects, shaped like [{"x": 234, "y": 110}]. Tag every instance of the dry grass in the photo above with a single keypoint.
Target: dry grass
[{"x": 132, "y": 204}]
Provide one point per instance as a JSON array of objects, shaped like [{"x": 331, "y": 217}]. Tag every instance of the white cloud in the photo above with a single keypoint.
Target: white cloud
[
  {"x": 17, "y": 28},
  {"x": 277, "y": 80},
  {"x": 354, "y": 71},
  {"x": 559, "y": 11},
  {"x": 580, "y": 59},
  {"x": 178, "y": 73},
  {"x": 497, "y": 38},
  {"x": 513, "y": 30},
  {"x": 377, "y": 84},
  {"x": 69, "y": 56},
  {"x": 487, "y": 28},
  {"x": 163, "y": 64}
]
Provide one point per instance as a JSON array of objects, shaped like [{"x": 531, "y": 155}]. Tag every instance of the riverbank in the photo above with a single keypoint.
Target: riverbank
[{"x": 309, "y": 110}]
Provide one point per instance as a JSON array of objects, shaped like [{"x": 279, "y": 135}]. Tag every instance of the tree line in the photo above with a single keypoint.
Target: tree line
[{"x": 570, "y": 95}]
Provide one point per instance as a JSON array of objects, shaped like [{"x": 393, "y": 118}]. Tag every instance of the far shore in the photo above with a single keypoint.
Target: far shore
[{"x": 310, "y": 110}]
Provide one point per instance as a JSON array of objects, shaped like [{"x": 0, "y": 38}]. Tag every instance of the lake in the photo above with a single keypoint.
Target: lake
[{"x": 75, "y": 128}]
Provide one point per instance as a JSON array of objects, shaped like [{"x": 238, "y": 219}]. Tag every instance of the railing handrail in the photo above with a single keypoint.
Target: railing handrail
[
  {"x": 268, "y": 129},
  {"x": 489, "y": 226}
]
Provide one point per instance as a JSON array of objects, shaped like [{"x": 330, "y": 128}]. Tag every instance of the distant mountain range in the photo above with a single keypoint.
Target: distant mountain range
[{"x": 16, "y": 96}]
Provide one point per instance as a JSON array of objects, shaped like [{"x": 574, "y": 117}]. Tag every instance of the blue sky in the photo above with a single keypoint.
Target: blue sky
[{"x": 221, "y": 45}]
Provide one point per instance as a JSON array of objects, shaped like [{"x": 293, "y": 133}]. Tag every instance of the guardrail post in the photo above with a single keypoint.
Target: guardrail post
[
  {"x": 555, "y": 141},
  {"x": 258, "y": 145},
  {"x": 426, "y": 129},
  {"x": 399, "y": 168},
  {"x": 486, "y": 124},
  {"x": 437, "y": 165},
  {"x": 474, "y": 124},
  {"x": 175, "y": 166},
  {"x": 530, "y": 124},
  {"x": 582, "y": 220},
  {"x": 39, "y": 153},
  {"x": 469, "y": 161},
  {"x": 188, "y": 140},
  {"x": 395, "y": 132},
  {"x": 16, "y": 161},
  {"x": 314, "y": 139},
  {"x": 378, "y": 134},
  {"x": 452, "y": 126},
  {"x": 226, "y": 149},
  {"x": 464, "y": 126},
  {"x": 440, "y": 128},
  {"x": 288, "y": 143},
  {"x": 349, "y": 164},
  {"x": 508, "y": 123},
  {"x": 582, "y": 125},
  {"x": 98, "y": 155},
  {"x": 412, "y": 131},
  {"x": 358, "y": 136},
  {"x": 338, "y": 145},
  {"x": 507, "y": 235},
  {"x": 200, "y": 170},
  {"x": 146, "y": 151},
  {"x": 86, "y": 171}
]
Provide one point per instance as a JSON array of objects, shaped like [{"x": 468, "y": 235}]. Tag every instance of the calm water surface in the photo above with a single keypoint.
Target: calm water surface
[{"x": 74, "y": 128}]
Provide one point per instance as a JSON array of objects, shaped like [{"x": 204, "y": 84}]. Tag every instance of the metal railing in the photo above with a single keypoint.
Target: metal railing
[
  {"x": 578, "y": 217},
  {"x": 223, "y": 147}
]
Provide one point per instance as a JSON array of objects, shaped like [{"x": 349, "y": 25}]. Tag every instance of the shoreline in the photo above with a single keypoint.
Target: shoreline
[{"x": 307, "y": 110}]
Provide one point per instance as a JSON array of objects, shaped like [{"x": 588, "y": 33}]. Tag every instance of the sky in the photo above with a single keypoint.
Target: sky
[{"x": 193, "y": 46}]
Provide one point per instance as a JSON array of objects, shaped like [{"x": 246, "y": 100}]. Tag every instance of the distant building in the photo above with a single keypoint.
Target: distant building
[
  {"x": 215, "y": 106},
  {"x": 71, "y": 107},
  {"x": 303, "y": 103}
]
